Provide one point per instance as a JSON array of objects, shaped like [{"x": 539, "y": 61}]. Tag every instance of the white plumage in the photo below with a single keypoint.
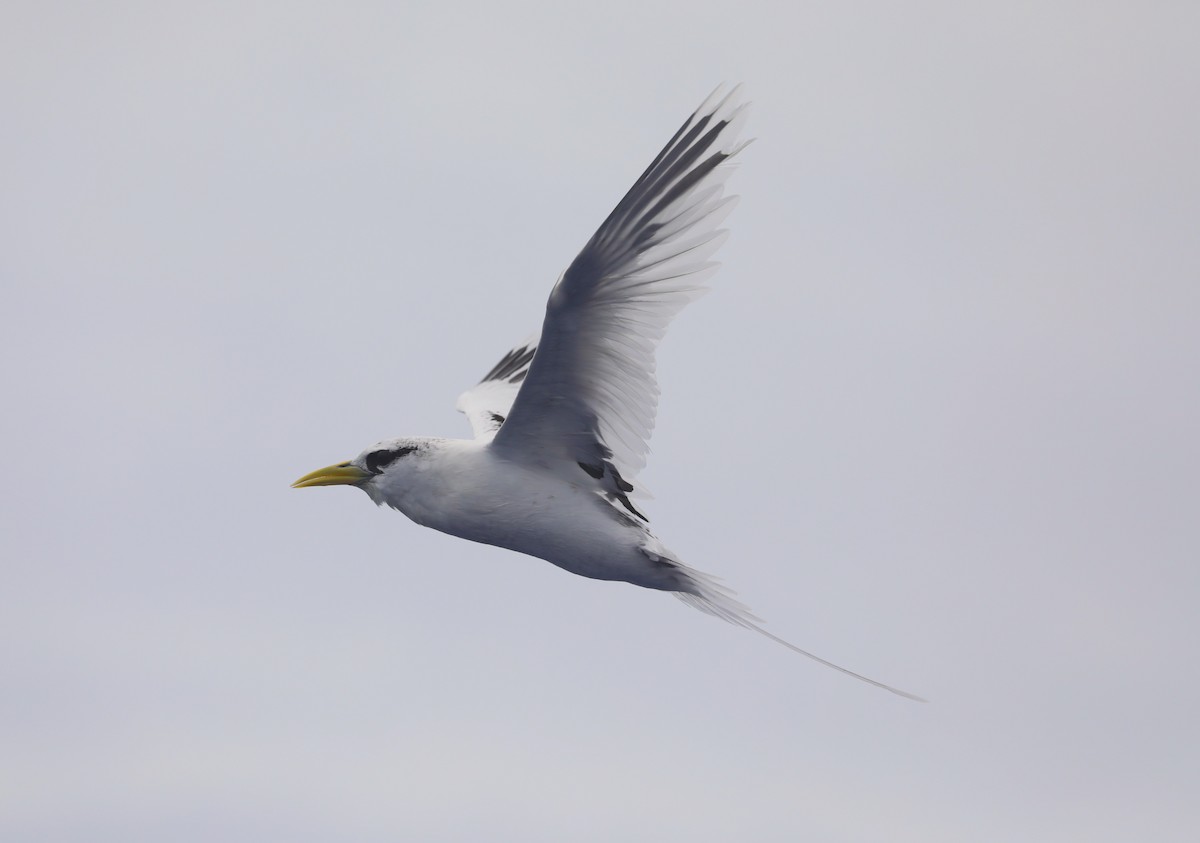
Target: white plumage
[{"x": 562, "y": 422}]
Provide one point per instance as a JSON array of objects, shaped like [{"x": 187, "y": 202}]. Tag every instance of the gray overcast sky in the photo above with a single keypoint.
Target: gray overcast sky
[{"x": 937, "y": 422}]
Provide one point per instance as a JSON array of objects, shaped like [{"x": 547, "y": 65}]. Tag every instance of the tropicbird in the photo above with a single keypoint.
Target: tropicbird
[{"x": 562, "y": 422}]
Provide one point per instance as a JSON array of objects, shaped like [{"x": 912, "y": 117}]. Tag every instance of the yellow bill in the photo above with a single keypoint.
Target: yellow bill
[{"x": 342, "y": 474}]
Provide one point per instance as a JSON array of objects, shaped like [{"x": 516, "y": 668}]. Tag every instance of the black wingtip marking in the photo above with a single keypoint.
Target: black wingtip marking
[
  {"x": 512, "y": 366},
  {"x": 497, "y": 418},
  {"x": 686, "y": 160},
  {"x": 594, "y": 471}
]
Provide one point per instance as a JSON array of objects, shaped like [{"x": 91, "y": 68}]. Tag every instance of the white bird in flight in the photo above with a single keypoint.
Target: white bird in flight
[{"x": 562, "y": 422}]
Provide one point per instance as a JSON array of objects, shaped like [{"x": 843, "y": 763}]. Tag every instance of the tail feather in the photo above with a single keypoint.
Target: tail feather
[{"x": 709, "y": 595}]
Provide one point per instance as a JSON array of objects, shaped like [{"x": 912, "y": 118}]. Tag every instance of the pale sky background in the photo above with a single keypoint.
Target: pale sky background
[{"x": 937, "y": 422}]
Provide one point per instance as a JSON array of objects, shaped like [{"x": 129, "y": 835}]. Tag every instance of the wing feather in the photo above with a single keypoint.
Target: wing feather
[
  {"x": 590, "y": 395},
  {"x": 489, "y": 402}
]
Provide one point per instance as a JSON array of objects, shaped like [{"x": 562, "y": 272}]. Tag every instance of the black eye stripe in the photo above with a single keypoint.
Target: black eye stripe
[{"x": 377, "y": 461}]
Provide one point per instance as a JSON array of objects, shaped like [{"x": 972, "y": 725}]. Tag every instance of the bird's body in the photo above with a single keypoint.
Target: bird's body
[
  {"x": 467, "y": 489},
  {"x": 562, "y": 421}
]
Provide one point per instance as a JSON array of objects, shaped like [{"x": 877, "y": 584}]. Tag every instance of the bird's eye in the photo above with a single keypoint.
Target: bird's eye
[{"x": 377, "y": 461}]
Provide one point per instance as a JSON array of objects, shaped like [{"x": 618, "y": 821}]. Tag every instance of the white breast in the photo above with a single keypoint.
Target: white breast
[{"x": 462, "y": 488}]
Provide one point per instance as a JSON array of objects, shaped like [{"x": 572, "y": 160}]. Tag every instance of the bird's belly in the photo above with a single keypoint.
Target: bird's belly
[{"x": 567, "y": 525}]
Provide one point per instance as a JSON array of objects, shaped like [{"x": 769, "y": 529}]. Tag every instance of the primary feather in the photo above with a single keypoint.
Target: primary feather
[{"x": 591, "y": 395}]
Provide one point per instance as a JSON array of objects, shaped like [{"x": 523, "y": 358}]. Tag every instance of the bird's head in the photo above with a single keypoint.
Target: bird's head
[{"x": 366, "y": 470}]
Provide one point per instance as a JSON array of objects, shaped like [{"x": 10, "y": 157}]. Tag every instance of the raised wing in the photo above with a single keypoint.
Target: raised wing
[
  {"x": 488, "y": 403},
  {"x": 590, "y": 395}
]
